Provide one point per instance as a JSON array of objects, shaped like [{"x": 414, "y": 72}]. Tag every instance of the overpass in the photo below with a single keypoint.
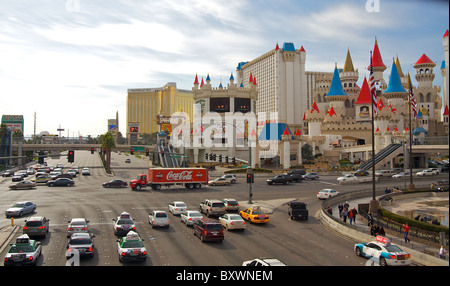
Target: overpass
[{"x": 65, "y": 147}]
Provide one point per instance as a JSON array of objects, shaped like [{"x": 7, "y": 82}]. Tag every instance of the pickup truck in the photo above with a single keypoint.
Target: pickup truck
[
  {"x": 280, "y": 179},
  {"x": 297, "y": 210}
]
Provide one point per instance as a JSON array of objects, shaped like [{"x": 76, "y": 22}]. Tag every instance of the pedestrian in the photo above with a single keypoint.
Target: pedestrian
[
  {"x": 405, "y": 232},
  {"x": 381, "y": 231},
  {"x": 346, "y": 205},
  {"x": 340, "y": 208},
  {"x": 344, "y": 214},
  {"x": 370, "y": 220},
  {"x": 350, "y": 216},
  {"x": 372, "y": 230},
  {"x": 355, "y": 212},
  {"x": 330, "y": 211},
  {"x": 442, "y": 252}
]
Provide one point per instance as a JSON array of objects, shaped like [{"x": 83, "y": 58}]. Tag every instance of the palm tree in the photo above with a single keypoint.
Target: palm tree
[{"x": 108, "y": 143}]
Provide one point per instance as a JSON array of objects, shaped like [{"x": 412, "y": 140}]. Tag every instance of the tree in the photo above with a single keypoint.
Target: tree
[
  {"x": 107, "y": 141},
  {"x": 307, "y": 152}
]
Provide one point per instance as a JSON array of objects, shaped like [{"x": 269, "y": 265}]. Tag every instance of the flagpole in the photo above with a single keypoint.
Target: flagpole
[
  {"x": 411, "y": 185},
  {"x": 373, "y": 205},
  {"x": 373, "y": 141}
]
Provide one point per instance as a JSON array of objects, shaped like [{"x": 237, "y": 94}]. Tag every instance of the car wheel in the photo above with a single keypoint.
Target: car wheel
[
  {"x": 383, "y": 261},
  {"x": 358, "y": 251},
  {"x": 137, "y": 187},
  {"x": 226, "y": 184}
]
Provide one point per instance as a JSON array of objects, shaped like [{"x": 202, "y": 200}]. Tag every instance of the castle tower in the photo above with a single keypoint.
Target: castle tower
[
  {"x": 424, "y": 72},
  {"x": 396, "y": 95},
  {"x": 336, "y": 96},
  {"x": 363, "y": 105},
  {"x": 378, "y": 66},
  {"x": 349, "y": 77},
  {"x": 445, "y": 69}
]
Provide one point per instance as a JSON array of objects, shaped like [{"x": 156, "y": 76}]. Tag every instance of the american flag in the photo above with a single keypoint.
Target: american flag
[
  {"x": 373, "y": 90},
  {"x": 412, "y": 99}
]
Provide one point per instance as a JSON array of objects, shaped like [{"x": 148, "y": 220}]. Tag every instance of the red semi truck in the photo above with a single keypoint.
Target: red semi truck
[{"x": 191, "y": 178}]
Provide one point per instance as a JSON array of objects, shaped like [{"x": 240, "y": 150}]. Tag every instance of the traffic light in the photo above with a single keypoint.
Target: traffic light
[
  {"x": 250, "y": 178},
  {"x": 147, "y": 153},
  {"x": 92, "y": 150},
  {"x": 71, "y": 156},
  {"x": 233, "y": 160},
  {"x": 210, "y": 157},
  {"x": 220, "y": 158},
  {"x": 104, "y": 151},
  {"x": 206, "y": 156},
  {"x": 214, "y": 157},
  {"x": 132, "y": 152},
  {"x": 226, "y": 159}
]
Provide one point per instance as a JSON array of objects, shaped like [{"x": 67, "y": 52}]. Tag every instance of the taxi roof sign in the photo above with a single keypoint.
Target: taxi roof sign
[
  {"x": 256, "y": 208},
  {"x": 23, "y": 239},
  {"x": 383, "y": 239},
  {"x": 125, "y": 215},
  {"x": 131, "y": 235}
]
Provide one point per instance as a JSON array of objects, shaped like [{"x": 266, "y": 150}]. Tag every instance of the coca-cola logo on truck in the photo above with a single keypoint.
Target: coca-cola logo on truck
[{"x": 181, "y": 176}]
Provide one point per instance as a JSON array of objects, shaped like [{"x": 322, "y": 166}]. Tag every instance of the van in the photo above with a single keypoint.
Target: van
[
  {"x": 212, "y": 207},
  {"x": 209, "y": 230}
]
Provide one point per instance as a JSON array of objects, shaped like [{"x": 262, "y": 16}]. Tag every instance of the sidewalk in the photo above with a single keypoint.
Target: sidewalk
[
  {"x": 416, "y": 244},
  {"x": 6, "y": 233}
]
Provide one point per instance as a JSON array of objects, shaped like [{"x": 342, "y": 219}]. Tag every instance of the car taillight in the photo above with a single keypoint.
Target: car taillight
[
  {"x": 144, "y": 253},
  {"x": 25, "y": 228},
  {"x": 232, "y": 223},
  {"x": 134, "y": 228},
  {"x": 392, "y": 256},
  {"x": 70, "y": 228},
  {"x": 90, "y": 248},
  {"x": 117, "y": 228},
  {"x": 190, "y": 218},
  {"x": 123, "y": 254},
  {"x": 30, "y": 258},
  {"x": 42, "y": 227},
  {"x": 210, "y": 208}
]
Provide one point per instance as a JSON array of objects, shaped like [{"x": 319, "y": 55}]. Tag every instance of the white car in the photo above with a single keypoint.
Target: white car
[
  {"x": 190, "y": 217},
  {"x": 401, "y": 175},
  {"x": 23, "y": 252},
  {"x": 383, "y": 252},
  {"x": 131, "y": 248},
  {"x": 77, "y": 225},
  {"x": 347, "y": 178},
  {"x": 327, "y": 193},
  {"x": 428, "y": 172},
  {"x": 177, "y": 207},
  {"x": 85, "y": 172},
  {"x": 263, "y": 262},
  {"x": 124, "y": 224},
  {"x": 158, "y": 219},
  {"x": 233, "y": 178},
  {"x": 232, "y": 221}
]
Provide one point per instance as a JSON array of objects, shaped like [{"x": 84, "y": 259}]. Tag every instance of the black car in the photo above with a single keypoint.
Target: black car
[
  {"x": 298, "y": 210},
  {"x": 60, "y": 182},
  {"x": 444, "y": 168},
  {"x": 280, "y": 179},
  {"x": 115, "y": 184},
  {"x": 297, "y": 175},
  {"x": 8, "y": 173}
]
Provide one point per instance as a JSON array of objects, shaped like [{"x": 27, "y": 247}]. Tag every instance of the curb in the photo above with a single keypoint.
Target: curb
[
  {"x": 6, "y": 234},
  {"x": 417, "y": 256}
]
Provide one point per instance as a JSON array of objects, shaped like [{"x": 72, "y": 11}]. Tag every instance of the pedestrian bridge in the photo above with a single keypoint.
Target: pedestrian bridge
[{"x": 88, "y": 147}]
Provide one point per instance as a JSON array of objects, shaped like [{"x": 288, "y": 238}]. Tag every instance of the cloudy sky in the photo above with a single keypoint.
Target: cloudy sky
[{"x": 72, "y": 61}]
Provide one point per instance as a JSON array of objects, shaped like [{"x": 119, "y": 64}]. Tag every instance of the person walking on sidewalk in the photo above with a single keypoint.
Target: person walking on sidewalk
[
  {"x": 344, "y": 214},
  {"x": 442, "y": 252},
  {"x": 405, "y": 232},
  {"x": 340, "y": 208},
  {"x": 355, "y": 212},
  {"x": 350, "y": 216}
]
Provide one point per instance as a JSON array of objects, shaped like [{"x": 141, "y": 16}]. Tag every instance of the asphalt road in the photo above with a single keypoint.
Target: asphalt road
[{"x": 302, "y": 243}]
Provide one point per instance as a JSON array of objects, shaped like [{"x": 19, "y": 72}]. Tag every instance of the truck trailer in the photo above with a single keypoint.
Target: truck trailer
[{"x": 190, "y": 178}]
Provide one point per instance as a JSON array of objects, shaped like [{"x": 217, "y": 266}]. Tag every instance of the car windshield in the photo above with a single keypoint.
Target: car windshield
[
  {"x": 18, "y": 205},
  {"x": 21, "y": 248},
  {"x": 132, "y": 244},
  {"x": 235, "y": 217},
  {"x": 78, "y": 241},
  {"x": 393, "y": 248},
  {"x": 218, "y": 205},
  {"x": 214, "y": 226},
  {"x": 298, "y": 206},
  {"x": 161, "y": 215},
  {"x": 232, "y": 203},
  {"x": 195, "y": 215},
  {"x": 180, "y": 205},
  {"x": 125, "y": 221},
  {"x": 78, "y": 223},
  {"x": 33, "y": 223}
]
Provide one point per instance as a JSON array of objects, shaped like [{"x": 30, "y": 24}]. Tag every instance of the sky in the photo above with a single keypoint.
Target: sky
[{"x": 72, "y": 61}]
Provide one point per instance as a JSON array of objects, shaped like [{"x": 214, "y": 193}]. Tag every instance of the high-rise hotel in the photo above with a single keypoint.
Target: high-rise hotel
[{"x": 148, "y": 109}]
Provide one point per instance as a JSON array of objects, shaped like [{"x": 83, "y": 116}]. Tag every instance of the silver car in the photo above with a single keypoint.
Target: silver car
[
  {"x": 20, "y": 208},
  {"x": 158, "y": 219},
  {"x": 190, "y": 217},
  {"x": 77, "y": 225}
]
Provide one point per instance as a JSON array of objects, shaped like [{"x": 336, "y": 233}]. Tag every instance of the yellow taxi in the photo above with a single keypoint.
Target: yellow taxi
[{"x": 254, "y": 215}]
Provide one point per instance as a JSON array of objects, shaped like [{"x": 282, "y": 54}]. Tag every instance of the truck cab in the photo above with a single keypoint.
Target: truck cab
[{"x": 139, "y": 182}]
